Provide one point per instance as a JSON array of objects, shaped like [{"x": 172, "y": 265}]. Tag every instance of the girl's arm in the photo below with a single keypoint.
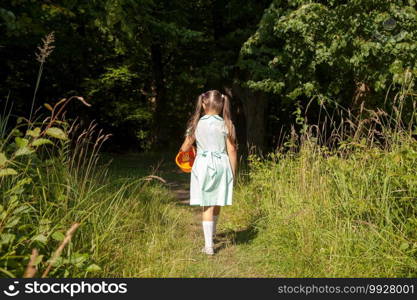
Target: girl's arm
[
  {"x": 188, "y": 142},
  {"x": 232, "y": 152}
]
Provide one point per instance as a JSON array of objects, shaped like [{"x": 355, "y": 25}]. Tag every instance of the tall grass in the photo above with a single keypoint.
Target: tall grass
[
  {"x": 57, "y": 180},
  {"x": 51, "y": 177},
  {"x": 342, "y": 204}
]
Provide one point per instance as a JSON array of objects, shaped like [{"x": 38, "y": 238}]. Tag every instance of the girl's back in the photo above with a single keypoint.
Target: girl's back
[
  {"x": 212, "y": 174},
  {"x": 211, "y": 134}
]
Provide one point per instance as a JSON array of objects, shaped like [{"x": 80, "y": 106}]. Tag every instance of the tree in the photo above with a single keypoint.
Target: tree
[
  {"x": 141, "y": 64},
  {"x": 342, "y": 51}
]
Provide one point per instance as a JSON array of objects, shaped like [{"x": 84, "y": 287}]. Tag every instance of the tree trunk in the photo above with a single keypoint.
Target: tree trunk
[
  {"x": 238, "y": 118},
  {"x": 254, "y": 105},
  {"x": 160, "y": 128}
]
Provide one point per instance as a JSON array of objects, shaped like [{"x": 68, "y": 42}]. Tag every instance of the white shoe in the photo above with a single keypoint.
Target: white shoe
[{"x": 208, "y": 251}]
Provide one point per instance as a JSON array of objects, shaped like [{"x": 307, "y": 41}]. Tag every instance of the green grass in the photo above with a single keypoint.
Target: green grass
[
  {"x": 137, "y": 165},
  {"x": 305, "y": 211},
  {"x": 302, "y": 215},
  {"x": 294, "y": 215},
  {"x": 173, "y": 239},
  {"x": 327, "y": 216},
  {"x": 129, "y": 225}
]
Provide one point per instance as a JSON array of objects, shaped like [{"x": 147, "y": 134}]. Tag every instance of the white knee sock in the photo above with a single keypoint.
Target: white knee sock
[
  {"x": 208, "y": 233},
  {"x": 215, "y": 218}
]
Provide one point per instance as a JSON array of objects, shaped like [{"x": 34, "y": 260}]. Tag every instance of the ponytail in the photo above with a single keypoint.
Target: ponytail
[
  {"x": 192, "y": 123},
  {"x": 228, "y": 120},
  {"x": 216, "y": 101}
]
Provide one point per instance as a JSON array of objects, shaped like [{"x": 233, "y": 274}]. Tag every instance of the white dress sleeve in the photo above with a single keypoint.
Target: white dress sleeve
[{"x": 225, "y": 130}]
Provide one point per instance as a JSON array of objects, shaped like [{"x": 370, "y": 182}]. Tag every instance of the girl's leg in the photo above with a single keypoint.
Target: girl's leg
[
  {"x": 216, "y": 212},
  {"x": 208, "y": 226},
  {"x": 208, "y": 213}
]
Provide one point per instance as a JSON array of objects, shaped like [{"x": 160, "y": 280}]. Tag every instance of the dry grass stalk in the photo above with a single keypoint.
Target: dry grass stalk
[
  {"x": 46, "y": 49},
  {"x": 150, "y": 177},
  {"x": 54, "y": 115},
  {"x": 31, "y": 267},
  {"x": 61, "y": 247}
]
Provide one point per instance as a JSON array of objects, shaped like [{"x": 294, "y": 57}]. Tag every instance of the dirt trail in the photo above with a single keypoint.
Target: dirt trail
[
  {"x": 181, "y": 191},
  {"x": 225, "y": 262},
  {"x": 231, "y": 257}
]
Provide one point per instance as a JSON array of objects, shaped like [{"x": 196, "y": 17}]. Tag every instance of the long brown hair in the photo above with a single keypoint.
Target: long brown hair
[{"x": 218, "y": 102}]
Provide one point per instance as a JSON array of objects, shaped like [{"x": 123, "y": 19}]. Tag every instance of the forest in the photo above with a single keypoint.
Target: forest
[{"x": 95, "y": 97}]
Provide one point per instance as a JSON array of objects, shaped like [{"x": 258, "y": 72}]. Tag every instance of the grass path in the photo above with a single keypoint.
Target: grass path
[
  {"x": 225, "y": 261},
  {"x": 230, "y": 259}
]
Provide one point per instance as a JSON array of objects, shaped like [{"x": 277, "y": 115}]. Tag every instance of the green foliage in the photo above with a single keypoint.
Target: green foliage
[
  {"x": 126, "y": 57},
  {"x": 326, "y": 48},
  {"x": 55, "y": 132},
  {"x": 120, "y": 103}
]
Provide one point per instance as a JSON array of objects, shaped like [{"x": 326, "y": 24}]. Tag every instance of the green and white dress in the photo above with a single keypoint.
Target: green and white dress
[{"x": 211, "y": 175}]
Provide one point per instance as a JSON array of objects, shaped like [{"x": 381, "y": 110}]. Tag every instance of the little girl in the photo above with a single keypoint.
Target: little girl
[{"x": 215, "y": 165}]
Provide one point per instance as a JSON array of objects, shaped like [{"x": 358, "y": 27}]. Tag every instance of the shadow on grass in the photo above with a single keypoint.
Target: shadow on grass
[{"x": 236, "y": 237}]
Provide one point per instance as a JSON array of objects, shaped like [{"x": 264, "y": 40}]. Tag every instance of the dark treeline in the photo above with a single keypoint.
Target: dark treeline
[{"x": 141, "y": 64}]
